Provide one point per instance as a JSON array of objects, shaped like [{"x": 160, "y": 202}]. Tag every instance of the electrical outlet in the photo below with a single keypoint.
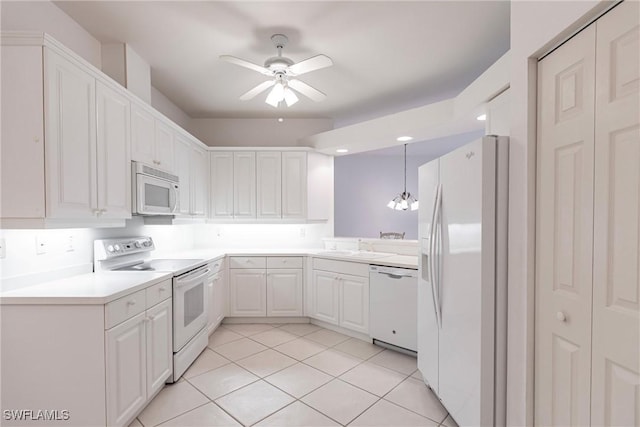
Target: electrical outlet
[
  {"x": 70, "y": 246},
  {"x": 3, "y": 248},
  {"x": 42, "y": 246},
  {"x": 303, "y": 232},
  {"x": 219, "y": 232}
]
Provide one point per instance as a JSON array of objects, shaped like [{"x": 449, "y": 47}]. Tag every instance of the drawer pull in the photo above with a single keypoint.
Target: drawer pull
[
  {"x": 131, "y": 302},
  {"x": 162, "y": 288}
]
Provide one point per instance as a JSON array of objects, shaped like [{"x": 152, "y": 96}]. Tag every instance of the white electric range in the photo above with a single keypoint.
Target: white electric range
[{"x": 190, "y": 310}]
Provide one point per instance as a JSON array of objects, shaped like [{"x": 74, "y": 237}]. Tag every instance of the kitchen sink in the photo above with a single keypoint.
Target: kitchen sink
[{"x": 356, "y": 254}]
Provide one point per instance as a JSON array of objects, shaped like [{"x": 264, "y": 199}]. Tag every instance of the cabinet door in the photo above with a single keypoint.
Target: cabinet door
[
  {"x": 159, "y": 345},
  {"x": 284, "y": 292},
  {"x": 294, "y": 184},
  {"x": 325, "y": 296},
  {"x": 244, "y": 184},
  {"x": 221, "y": 167},
  {"x": 113, "y": 144},
  {"x": 70, "y": 149},
  {"x": 126, "y": 370},
  {"x": 199, "y": 181},
  {"x": 248, "y": 292},
  {"x": 217, "y": 300},
  {"x": 183, "y": 170},
  {"x": 142, "y": 135},
  {"x": 269, "y": 184},
  {"x": 354, "y": 303},
  {"x": 164, "y": 146}
]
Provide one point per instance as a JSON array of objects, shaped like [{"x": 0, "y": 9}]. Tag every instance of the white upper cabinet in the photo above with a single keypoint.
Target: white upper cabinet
[
  {"x": 183, "y": 170},
  {"x": 113, "y": 158},
  {"x": 244, "y": 184},
  {"x": 221, "y": 184},
  {"x": 199, "y": 181},
  {"x": 294, "y": 184},
  {"x": 151, "y": 139},
  {"x": 269, "y": 184},
  {"x": 70, "y": 124}
]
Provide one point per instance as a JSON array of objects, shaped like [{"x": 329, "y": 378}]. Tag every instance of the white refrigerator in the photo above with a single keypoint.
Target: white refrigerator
[{"x": 462, "y": 280}]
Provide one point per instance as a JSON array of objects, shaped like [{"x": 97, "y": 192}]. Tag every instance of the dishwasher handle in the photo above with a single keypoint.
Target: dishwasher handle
[{"x": 395, "y": 276}]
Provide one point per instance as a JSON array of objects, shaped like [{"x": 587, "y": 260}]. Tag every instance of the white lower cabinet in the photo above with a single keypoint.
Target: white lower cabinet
[
  {"x": 218, "y": 295},
  {"x": 126, "y": 370},
  {"x": 340, "y": 294},
  {"x": 247, "y": 292},
  {"x": 139, "y": 356},
  {"x": 325, "y": 291},
  {"x": 265, "y": 286},
  {"x": 284, "y": 292}
]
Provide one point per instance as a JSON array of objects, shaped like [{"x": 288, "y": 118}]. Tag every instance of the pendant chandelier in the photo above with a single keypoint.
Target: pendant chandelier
[{"x": 404, "y": 200}]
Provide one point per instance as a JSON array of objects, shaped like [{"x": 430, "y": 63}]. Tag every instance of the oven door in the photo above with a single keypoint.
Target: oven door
[
  {"x": 190, "y": 309},
  {"x": 156, "y": 196}
]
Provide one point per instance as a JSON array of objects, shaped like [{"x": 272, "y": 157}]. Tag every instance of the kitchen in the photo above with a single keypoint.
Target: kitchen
[{"x": 71, "y": 248}]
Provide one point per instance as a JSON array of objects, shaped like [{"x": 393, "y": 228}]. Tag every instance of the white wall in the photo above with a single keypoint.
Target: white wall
[
  {"x": 44, "y": 16},
  {"x": 256, "y": 132},
  {"x": 535, "y": 27},
  {"x": 163, "y": 104}
]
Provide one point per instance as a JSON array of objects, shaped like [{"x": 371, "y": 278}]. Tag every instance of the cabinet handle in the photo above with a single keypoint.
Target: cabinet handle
[
  {"x": 561, "y": 316},
  {"x": 162, "y": 288},
  {"x": 131, "y": 302}
]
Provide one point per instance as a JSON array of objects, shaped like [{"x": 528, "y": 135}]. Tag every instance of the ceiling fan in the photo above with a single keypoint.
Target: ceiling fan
[{"x": 282, "y": 71}]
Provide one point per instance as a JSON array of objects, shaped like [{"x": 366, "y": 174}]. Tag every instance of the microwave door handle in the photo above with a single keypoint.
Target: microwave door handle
[
  {"x": 176, "y": 198},
  {"x": 189, "y": 280}
]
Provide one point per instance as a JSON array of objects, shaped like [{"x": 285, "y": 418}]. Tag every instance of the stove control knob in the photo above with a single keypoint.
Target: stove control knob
[
  {"x": 147, "y": 243},
  {"x": 138, "y": 244},
  {"x": 117, "y": 247},
  {"x": 110, "y": 248}
]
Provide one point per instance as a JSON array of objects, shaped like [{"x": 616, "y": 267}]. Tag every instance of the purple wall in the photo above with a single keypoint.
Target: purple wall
[{"x": 364, "y": 184}]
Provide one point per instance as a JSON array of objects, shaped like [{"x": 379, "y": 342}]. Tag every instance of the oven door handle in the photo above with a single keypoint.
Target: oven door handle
[{"x": 181, "y": 282}]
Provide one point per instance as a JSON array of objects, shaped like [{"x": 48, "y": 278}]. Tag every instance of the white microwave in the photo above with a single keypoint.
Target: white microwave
[{"x": 155, "y": 192}]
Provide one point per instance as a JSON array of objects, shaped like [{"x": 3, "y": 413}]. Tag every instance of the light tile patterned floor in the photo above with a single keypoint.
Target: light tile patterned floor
[{"x": 295, "y": 375}]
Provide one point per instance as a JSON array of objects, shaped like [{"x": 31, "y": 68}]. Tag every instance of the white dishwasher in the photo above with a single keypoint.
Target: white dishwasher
[{"x": 394, "y": 306}]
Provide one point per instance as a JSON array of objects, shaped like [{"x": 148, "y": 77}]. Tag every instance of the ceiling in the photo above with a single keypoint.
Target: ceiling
[{"x": 388, "y": 55}]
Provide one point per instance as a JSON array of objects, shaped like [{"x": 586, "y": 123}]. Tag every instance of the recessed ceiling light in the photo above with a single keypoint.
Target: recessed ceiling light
[
  {"x": 404, "y": 138},
  {"x": 342, "y": 150},
  {"x": 280, "y": 119},
  {"x": 482, "y": 117}
]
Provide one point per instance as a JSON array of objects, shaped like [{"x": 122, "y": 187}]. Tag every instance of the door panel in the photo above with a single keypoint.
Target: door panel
[
  {"x": 244, "y": 184},
  {"x": 294, "y": 184},
  {"x": 429, "y": 179},
  {"x": 269, "y": 184},
  {"x": 164, "y": 146},
  {"x": 284, "y": 292},
  {"x": 221, "y": 184},
  {"x": 325, "y": 296},
  {"x": 159, "y": 345},
  {"x": 616, "y": 271},
  {"x": 114, "y": 160},
  {"x": 354, "y": 303},
  {"x": 199, "y": 181},
  {"x": 183, "y": 170},
  {"x": 565, "y": 233},
  {"x": 70, "y": 147},
  {"x": 248, "y": 292},
  {"x": 142, "y": 135}
]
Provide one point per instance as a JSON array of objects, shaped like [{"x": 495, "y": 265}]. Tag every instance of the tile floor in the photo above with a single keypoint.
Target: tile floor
[{"x": 295, "y": 375}]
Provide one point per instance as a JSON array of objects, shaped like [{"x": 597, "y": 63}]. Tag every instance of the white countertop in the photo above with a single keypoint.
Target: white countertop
[
  {"x": 91, "y": 288},
  {"x": 103, "y": 287}
]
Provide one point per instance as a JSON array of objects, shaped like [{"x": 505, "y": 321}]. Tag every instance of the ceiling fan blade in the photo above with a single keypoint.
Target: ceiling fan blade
[
  {"x": 256, "y": 90},
  {"x": 314, "y": 63},
  {"x": 306, "y": 90},
  {"x": 246, "y": 64}
]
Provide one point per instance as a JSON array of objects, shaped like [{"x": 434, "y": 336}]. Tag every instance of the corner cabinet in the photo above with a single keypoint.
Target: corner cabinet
[
  {"x": 340, "y": 294},
  {"x": 286, "y": 186}
]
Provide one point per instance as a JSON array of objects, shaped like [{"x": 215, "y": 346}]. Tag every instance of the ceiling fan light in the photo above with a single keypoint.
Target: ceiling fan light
[
  {"x": 391, "y": 204},
  {"x": 415, "y": 205},
  {"x": 290, "y": 97},
  {"x": 276, "y": 95}
]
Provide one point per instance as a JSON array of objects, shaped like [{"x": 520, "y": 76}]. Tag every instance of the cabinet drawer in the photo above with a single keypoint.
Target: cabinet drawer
[
  {"x": 247, "y": 262},
  {"x": 344, "y": 267},
  {"x": 216, "y": 265},
  {"x": 124, "y": 308},
  {"x": 284, "y": 262},
  {"x": 158, "y": 293}
]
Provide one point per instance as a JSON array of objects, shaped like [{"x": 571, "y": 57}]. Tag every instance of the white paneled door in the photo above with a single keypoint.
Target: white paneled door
[
  {"x": 159, "y": 345},
  {"x": 247, "y": 289},
  {"x": 269, "y": 184},
  {"x": 588, "y": 231},
  {"x": 143, "y": 147},
  {"x": 221, "y": 184},
  {"x": 565, "y": 233},
  {"x": 294, "y": 184},
  {"x": 244, "y": 184},
  {"x": 354, "y": 302},
  {"x": 615, "y": 387},
  {"x": 325, "y": 290},
  {"x": 284, "y": 292}
]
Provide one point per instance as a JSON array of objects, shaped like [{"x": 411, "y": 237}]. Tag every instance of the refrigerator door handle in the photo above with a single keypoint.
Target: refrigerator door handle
[
  {"x": 436, "y": 267},
  {"x": 432, "y": 253}
]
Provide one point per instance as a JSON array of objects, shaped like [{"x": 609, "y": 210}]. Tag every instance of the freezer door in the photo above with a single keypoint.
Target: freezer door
[
  {"x": 467, "y": 282},
  {"x": 427, "y": 324}
]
